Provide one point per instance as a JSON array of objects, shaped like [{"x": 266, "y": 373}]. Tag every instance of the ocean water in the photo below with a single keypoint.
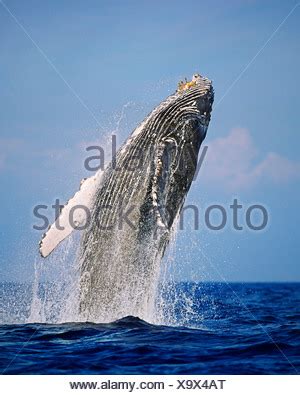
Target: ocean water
[{"x": 215, "y": 328}]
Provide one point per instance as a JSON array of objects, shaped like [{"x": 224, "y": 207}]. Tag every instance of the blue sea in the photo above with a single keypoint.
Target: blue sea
[{"x": 230, "y": 329}]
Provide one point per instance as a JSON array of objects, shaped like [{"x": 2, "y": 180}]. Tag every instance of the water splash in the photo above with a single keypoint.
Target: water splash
[
  {"x": 56, "y": 290},
  {"x": 55, "y": 286}
]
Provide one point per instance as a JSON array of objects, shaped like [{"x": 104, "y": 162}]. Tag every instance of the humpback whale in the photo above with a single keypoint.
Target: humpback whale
[{"x": 133, "y": 204}]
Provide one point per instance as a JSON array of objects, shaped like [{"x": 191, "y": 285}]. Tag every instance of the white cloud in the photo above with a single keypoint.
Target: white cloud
[{"x": 231, "y": 163}]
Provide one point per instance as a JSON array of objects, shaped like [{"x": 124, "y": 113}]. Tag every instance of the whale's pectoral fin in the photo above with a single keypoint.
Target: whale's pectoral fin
[{"x": 74, "y": 214}]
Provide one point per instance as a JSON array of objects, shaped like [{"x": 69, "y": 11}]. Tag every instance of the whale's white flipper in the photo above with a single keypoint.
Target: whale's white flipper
[{"x": 63, "y": 227}]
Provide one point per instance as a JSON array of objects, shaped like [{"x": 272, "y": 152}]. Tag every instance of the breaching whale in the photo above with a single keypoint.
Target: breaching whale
[{"x": 131, "y": 206}]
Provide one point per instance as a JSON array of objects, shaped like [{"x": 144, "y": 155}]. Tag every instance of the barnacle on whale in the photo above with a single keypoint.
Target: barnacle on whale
[{"x": 185, "y": 85}]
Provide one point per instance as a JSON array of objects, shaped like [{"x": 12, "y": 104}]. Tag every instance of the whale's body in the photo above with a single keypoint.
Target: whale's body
[{"x": 134, "y": 204}]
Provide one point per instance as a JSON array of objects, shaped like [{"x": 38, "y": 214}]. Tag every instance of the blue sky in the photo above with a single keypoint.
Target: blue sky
[{"x": 106, "y": 54}]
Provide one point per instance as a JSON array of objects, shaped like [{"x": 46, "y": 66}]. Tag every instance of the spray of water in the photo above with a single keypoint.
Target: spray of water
[
  {"x": 146, "y": 294},
  {"x": 55, "y": 286}
]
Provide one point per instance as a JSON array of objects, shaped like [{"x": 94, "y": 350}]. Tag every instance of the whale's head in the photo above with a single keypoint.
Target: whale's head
[
  {"x": 188, "y": 108},
  {"x": 181, "y": 125}
]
